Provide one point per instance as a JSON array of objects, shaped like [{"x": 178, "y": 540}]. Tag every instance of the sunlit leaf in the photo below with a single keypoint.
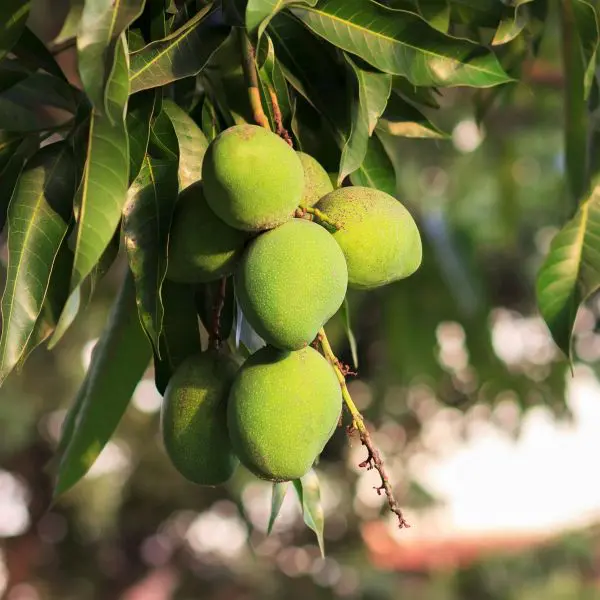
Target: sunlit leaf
[
  {"x": 309, "y": 494},
  {"x": 260, "y": 12},
  {"x": 277, "y": 498},
  {"x": 512, "y": 24}
]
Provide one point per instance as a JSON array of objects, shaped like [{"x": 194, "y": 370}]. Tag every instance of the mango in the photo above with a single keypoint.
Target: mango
[
  {"x": 290, "y": 282},
  {"x": 201, "y": 246},
  {"x": 378, "y": 236},
  {"x": 252, "y": 179},
  {"x": 316, "y": 180},
  {"x": 194, "y": 418},
  {"x": 283, "y": 408}
]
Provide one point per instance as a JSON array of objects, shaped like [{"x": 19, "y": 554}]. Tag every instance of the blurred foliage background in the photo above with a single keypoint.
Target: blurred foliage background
[{"x": 458, "y": 343}]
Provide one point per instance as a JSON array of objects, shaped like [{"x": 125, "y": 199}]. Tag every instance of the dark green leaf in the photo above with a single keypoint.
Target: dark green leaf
[
  {"x": 33, "y": 53},
  {"x": 435, "y": 12},
  {"x": 271, "y": 73},
  {"x": 571, "y": 271},
  {"x": 139, "y": 118},
  {"x": 210, "y": 120},
  {"x": 279, "y": 491},
  {"x": 103, "y": 189},
  {"x": 400, "y": 43},
  {"x": 191, "y": 141},
  {"x": 38, "y": 219},
  {"x": 377, "y": 170},
  {"x": 309, "y": 495},
  {"x": 183, "y": 53},
  {"x": 373, "y": 92},
  {"x": 118, "y": 362},
  {"x": 260, "y": 12},
  {"x": 418, "y": 95},
  {"x": 180, "y": 336},
  {"x": 102, "y": 23},
  {"x": 345, "y": 312},
  {"x": 207, "y": 296},
  {"x": 13, "y": 16},
  {"x": 146, "y": 223},
  {"x": 587, "y": 28}
]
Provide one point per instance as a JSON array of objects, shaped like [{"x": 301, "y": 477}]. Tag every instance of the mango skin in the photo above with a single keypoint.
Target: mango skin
[
  {"x": 194, "y": 418},
  {"x": 201, "y": 246},
  {"x": 283, "y": 408},
  {"x": 290, "y": 282},
  {"x": 316, "y": 180},
  {"x": 378, "y": 236},
  {"x": 252, "y": 179}
]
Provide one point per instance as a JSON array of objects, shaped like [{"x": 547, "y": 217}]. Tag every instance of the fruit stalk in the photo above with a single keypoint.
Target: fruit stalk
[
  {"x": 249, "y": 67},
  {"x": 281, "y": 131},
  {"x": 319, "y": 215},
  {"x": 214, "y": 336},
  {"x": 373, "y": 460}
]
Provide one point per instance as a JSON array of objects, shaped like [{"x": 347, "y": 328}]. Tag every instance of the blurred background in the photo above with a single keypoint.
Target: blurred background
[{"x": 490, "y": 440}]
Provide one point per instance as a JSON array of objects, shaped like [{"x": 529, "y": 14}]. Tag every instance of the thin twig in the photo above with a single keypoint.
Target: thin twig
[
  {"x": 373, "y": 460},
  {"x": 214, "y": 337},
  {"x": 277, "y": 117},
  {"x": 249, "y": 67},
  {"x": 315, "y": 213}
]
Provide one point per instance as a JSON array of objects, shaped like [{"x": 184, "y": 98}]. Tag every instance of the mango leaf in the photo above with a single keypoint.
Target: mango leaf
[
  {"x": 33, "y": 53},
  {"x": 417, "y": 95},
  {"x": 180, "y": 336},
  {"x": 103, "y": 189},
  {"x": 400, "y": 43},
  {"x": 102, "y": 23},
  {"x": 435, "y": 12},
  {"x": 191, "y": 141},
  {"x": 512, "y": 23},
  {"x": 373, "y": 93},
  {"x": 345, "y": 312},
  {"x": 182, "y": 54},
  {"x": 118, "y": 363},
  {"x": 279, "y": 491},
  {"x": 401, "y": 118},
  {"x": 271, "y": 74},
  {"x": 260, "y": 12},
  {"x": 210, "y": 120},
  {"x": 70, "y": 25},
  {"x": 139, "y": 119},
  {"x": 376, "y": 170},
  {"x": 571, "y": 271},
  {"x": 585, "y": 15},
  {"x": 13, "y": 16},
  {"x": 147, "y": 219},
  {"x": 309, "y": 494},
  {"x": 38, "y": 218}
]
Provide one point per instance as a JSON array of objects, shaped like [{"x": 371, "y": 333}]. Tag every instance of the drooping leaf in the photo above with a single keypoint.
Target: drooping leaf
[
  {"x": 183, "y": 53},
  {"x": 571, "y": 271},
  {"x": 101, "y": 26},
  {"x": 373, "y": 92},
  {"x": 260, "y": 12},
  {"x": 401, "y": 118},
  {"x": 512, "y": 23},
  {"x": 180, "y": 335},
  {"x": 103, "y": 188},
  {"x": 587, "y": 30},
  {"x": 345, "y": 312},
  {"x": 146, "y": 223},
  {"x": 118, "y": 362},
  {"x": 309, "y": 494},
  {"x": 400, "y": 43},
  {"x": 376, "y": 170},
  {"x": 13, "y": 16},
  {"x": 191, "y": 141},
  {"x": 279, "y": 492},
  {"x": 38, "y": 219},
  {"x": 139, "y": 119},
  {"x": 210, "y": 120},
  {"x": 33, "y": 53}
]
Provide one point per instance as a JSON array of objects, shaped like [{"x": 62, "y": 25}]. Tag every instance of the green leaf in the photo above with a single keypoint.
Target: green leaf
[
  {"x": 118, "y": 363},
  {"x": 38, "y": 218},
  {"x": 260, "y": 12},
  {"x": 146, "y": 223},
  {"x": 139, "y": 119},
  {"x": 401, "y": 118},
  {"x": 435, "y": 12},
  {"x": 588, "y": 33},
  {"x": 191, "y": 141},
  {"x": 210, "y": 120},
  {"x": 571, "y": 271},
  {"x": 70, "y": 25},
  {"x": 345, "y": 312},
  {"x": 33, "y": 53},
  {"x": 271, "y": 74},
  {"x": 13, "y": 16},
  {"x": 512, "y": 23},
  {"x": 373, "y": 93},
  {"x": 102, "y": 23},
  {"x": 182, "y": 54},
  {"x": 279, "y": 491},
  {"x": 309, "y": 494},
  {"x": 400, "y": 43},
  {"x": 180, "y": 336},
  {"x": 377, "y": 170},
  {"x": 103, "y": 189}
]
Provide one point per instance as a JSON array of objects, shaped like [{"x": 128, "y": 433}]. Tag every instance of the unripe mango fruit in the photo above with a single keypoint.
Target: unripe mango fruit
[
  {"x": 194, "y": 418},
  {"x": 201, "y": 246},
  {"x": 290, "y": 282},
  {"x": 252, "y": 179},
  {"x": 316, "y": 180},
  {"x": 378, "y": 236},
  {"x": 283, "y": 408}
]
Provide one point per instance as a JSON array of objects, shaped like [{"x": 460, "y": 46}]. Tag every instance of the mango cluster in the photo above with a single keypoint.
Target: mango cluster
[{"x": 277, "y": 411}]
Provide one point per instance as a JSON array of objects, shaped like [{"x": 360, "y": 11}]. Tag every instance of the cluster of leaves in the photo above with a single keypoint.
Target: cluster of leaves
[{"x": 83, "y": 167}]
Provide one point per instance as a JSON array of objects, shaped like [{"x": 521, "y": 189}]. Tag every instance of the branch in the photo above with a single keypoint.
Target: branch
[
  {"x": 281, "y": 130},
  {"x": 249, "y": 67},
  {"x": 373, "y": 460},
  {"x": 214, "y": 336},
  {"x": 324, "y": 219}
]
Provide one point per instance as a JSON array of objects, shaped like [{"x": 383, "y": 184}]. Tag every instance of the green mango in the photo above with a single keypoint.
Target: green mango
[{"x": 316, "y": 180}]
